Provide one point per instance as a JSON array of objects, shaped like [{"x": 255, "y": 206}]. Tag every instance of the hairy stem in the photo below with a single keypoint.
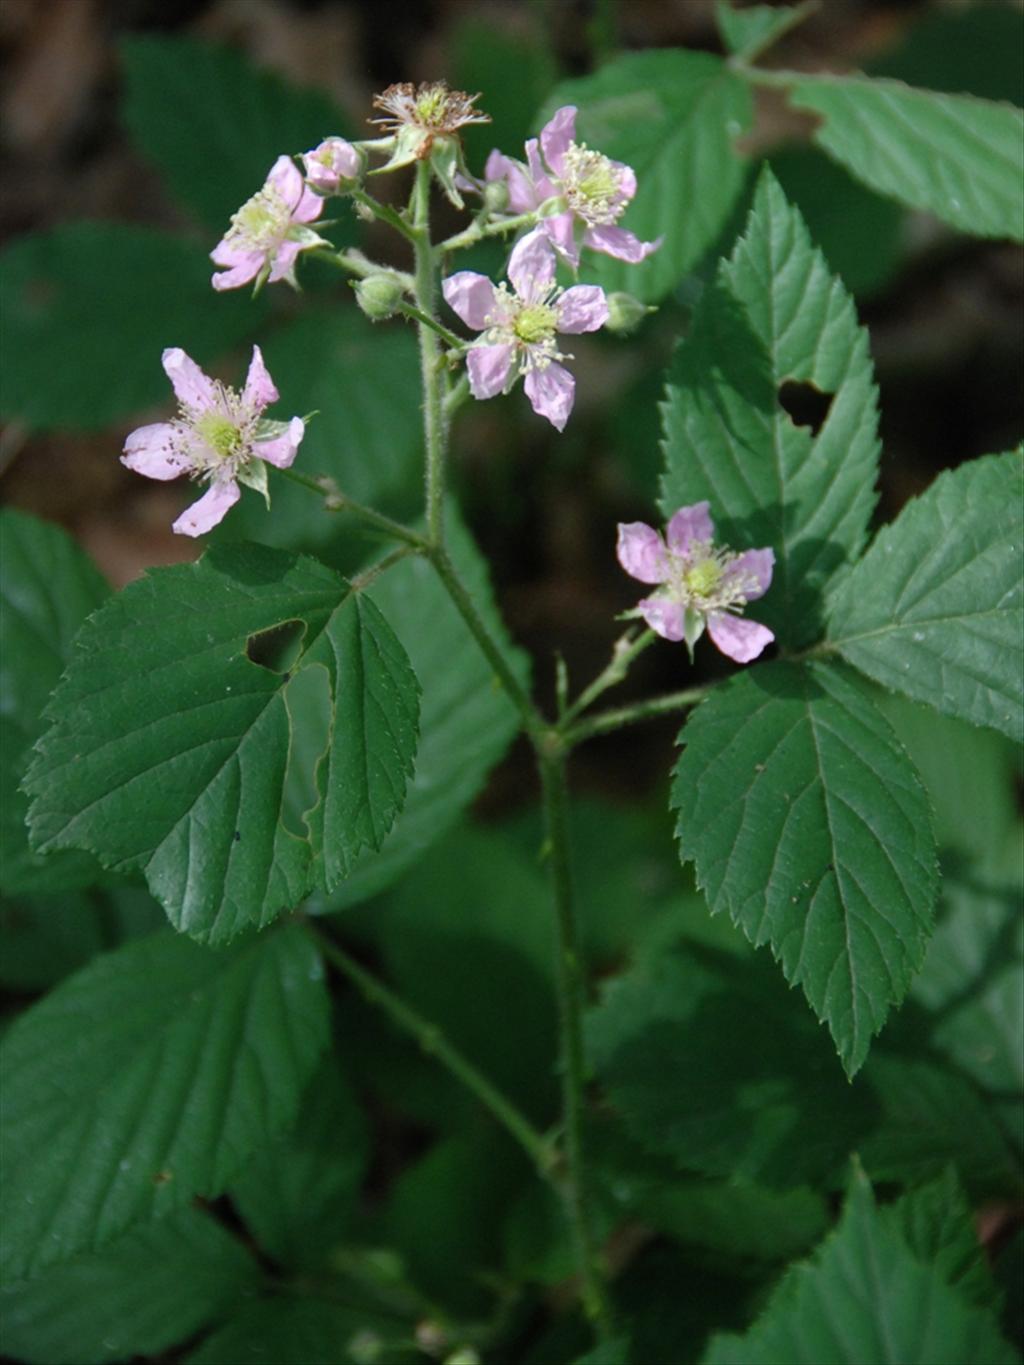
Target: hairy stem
[
  {"x": 479, "y": 230},
  {"x": 625, "y": 650},
  {"x": 337, "y": 501},
  {"x": 434, "y": 424},
  {"x": 435, "y": 1044},
  {"x": 618, "y": 718}
]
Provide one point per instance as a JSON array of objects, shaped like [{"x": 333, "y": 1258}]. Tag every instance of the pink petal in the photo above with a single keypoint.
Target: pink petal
[
  {"x": 531, "y": 267},
  {"x": 241, "y": 274},
  {"x": 740, "y": 639},
  {"x": 687, "y": 525},
  {"x": 583, "y": 308},
  {"x": 191, "y": 387},
  {"x": 497, "y": 167},
  {"x": 259, "y": 388},
  {"x": 471, "y": 296},
  {"x": 542, "y": 186},
  {"x": 281, "y": 450},
  {"x": 551, "y": 392},
  {"x": 641, "y": 552},
  {"x": 149, "y": 451},
  {"x": 627, "y": 179},
  {"x": 286, "y": 178},
  {"x": 310, "y": 206},
  {"x": 665, "y": 618},
  {"x": 211, "y": 508},
  {"x": 488, "y": 368},
  {"x": 229, "y": 252},
  {"x": 556, "y": 136},
  {"x": 756, "y": 566},
  {"x": 561, "y": 231},
  {"x": 521, "y": 194},
  {"x": 617, "y": 242},
  {"x": 284, "y": 261},
  {"x": 343, "y": 164}
]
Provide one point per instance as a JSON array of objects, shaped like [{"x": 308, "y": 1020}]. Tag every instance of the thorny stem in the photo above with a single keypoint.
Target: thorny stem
[
  {"x": 478, "y": 231},
  {"x": 435, "y": 1044},
  {"x": 606, "y": 721},
  {"x": 434, "y": 425}
]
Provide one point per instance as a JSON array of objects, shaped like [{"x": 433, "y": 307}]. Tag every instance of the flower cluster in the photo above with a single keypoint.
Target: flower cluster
[
  {"x": 698, "y": 585},
  {"x": 219, "y": 436}
]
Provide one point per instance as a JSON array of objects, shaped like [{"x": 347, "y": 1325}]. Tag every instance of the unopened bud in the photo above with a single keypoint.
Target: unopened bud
[
  {"x": 379, "y": 296},
  {"x": 625, "y": 313},
  {"x": 496, "y": 196}
]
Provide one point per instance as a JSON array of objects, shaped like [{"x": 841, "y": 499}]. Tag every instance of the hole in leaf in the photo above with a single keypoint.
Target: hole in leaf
[
  {"x": 806, "y": 405},
  {"x": 277, "y": 648}
]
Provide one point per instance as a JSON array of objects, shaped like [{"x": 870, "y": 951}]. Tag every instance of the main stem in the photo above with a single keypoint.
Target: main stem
[{"x": 434, "y": 424}]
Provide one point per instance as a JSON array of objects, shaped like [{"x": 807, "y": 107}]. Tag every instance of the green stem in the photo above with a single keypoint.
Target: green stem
[
  {"x": 357, "y": 264},
  {"x": 410, "y": 310},
  {"x": 624, "y": 651},
  {"x": 434, "y": 426},
  {"x": 479, "y": 231},
  {"x": 456, "y": 396},
  {"x": 337, "y": 501},
  {"x": 435, "y": 1044},
  {"x": 551, "y": 764},
  {"x": 385, "y": 213},
  {"x": 607, "y": 721}
]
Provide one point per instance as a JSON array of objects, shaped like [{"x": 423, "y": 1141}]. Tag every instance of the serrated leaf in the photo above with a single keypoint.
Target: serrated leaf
[
  {"x": 147, "y": 1078},
  {"x": 775, "y": 315},
  {"x": 865, "y": 1296},
  {"x": 674, "y": 117},
  {"x": 750, "y": 31},
  {"x": 951, "y": 155},
  {"x": 810, "y": 827},
  {"x": 466, "y": 722},
  {"x": 48, "y": 586},
  {"x": 232, "y": 120},
  {"x": 935, "y": 609},
  {"x": 151, "y": 1289},
  {"x": 86, "y": 310},
  {"x": 171, "y": 751},
  {"x": 936, "y": 1222}
]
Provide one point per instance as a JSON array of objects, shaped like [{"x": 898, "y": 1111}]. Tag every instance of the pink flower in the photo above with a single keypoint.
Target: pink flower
[
  {"x": 219, "y": 436},
  {"x": 331, "y": 163},
  {"x": 268, "y": 232},
  {"x": 519, "y": 329},
  {"x": 699, "y": 584},
  {"x": 588, "y": 191}
]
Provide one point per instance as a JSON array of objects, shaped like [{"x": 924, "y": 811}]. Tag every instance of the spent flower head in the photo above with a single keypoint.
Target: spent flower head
[
  {"x": 520, "y": 327},
  {"x": 219, "y": 437},
  {"x": 699, "y": 585},
  {"x": 582, "y": 192},
  {"x": 421, "y": 113},
  {"x": 269, "y": 230}
]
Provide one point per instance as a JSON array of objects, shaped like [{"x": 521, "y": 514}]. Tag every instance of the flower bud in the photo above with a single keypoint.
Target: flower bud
[
  {"x": 332, "y": 166},
  {"x": 625, "y": 313},
  {"x": 496, "y": 196},
  {"x": 379, "y": 296}
]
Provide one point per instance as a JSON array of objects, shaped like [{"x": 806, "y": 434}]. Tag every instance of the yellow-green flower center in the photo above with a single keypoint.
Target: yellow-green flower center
[
  {"x": 431, "y": 104},
  {"x": 220, "y": 434},
  {"x": 261, "y": 221},
  {"x": 702, "y": 579},
  {"x": 592, "y": 185},
  {"x": 535, "y": 322}
]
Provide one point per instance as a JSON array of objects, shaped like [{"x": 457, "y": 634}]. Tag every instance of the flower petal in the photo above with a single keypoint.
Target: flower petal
[
  {"x": 641, "y": 552},
  {"x": 488, "y": 368},
  {"x": 246, "y": 270},
  {"x": 150, "y": 451},
  {"x": 561, "y": 232},
  {"x": 583, "y": 308},
  {"x": 739, "y": 639},
  {"x": 617, "y": 242},
  {"x": 665, "y": 617},
  {"x": 192, "y": 388},
  {"x": 211, "y": 508},
  {"x": 627, "y": 180},
  {"x": 471, "y": 296},
  {"x": 260, "y": 389},
  {"x": 542, "y": 186},
  {"x": 281, "y": 450},
  {"x": 756, "y": 567},
  {"x": 531, "y": 267},
  {"x": 556, "y": 136},
  {"x": 228, "y": 252},
  {"x": 283, "y": 265},
  {"x": 689, "y": 524},
  {"x": 551, "y": 392},
  {"x": 286, "y": 178},
  {"x": 310, "y": 206}
]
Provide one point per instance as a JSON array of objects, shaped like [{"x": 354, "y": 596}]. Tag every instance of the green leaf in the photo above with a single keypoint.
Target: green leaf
[
  {"x": 775, "y": 317},
  {"x": 865, "y": 1296},
  {"x": 232, "y": 120},
  {"x": 752, "y": 30},
  {"x": 467, "y": 721},
  {"x": 48, "y": 586},
  {"x": 146, "y": 1079},
  {"x": 951, "y": 155},
  {"x": 146, "y": 1292},
  {"x": 936, "y": 1223},
  {"x": 298, "y": 1196},
  {"x": 935, "y": 609},
  {"x": 171, "y": 750},
  {"x": 304, "y": 1331},
  {"x": 674, "y": 117},
  {"x": 810, "y": 827},
  {"x": 974, "y": 51},
  {"x": 86, "y": 310}
]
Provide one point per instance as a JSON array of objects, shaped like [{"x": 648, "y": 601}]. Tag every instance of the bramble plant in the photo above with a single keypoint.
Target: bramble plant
[{"x": 270, "y": 739}]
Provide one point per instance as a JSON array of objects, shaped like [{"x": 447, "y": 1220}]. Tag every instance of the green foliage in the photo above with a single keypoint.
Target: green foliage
[
  {"x": 951, "y": 155},
  {"x": 173, "y": 751},
  {"x": 48, "y": 586},
  {"x": 45, "y": 938},
  {"x": 749, "y": 31},
  {"x": 866, "y": 1295},
  {"x": 809, "y": 826},
  {"x": 232, "y": 120},
  {"x": 147, "y": 1078},
  {"x": 81, "y": 348},
  {"x": 280, "y": 1330},
  {"x": 775, "y": 314},
  {"x": 978, "y": 50},
  {"x": 147, "y": 1291},
  {"x": 935, "y": 609},
  {"x": 674, "y": 117}
]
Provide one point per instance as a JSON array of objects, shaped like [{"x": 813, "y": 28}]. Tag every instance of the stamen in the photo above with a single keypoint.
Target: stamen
[{"x": 592, "y": 186}]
